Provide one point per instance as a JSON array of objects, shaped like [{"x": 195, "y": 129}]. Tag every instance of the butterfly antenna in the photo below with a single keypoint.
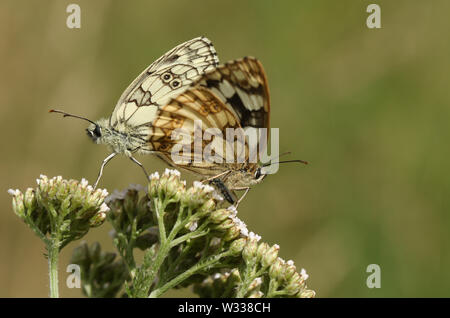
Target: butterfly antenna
[
  {"x": 70, "y": 115},
  {"x": 286, "y": 161}
]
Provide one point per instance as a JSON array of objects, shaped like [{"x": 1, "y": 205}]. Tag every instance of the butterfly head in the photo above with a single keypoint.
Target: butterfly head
[
  {"x": 259, "y": 175},
  {"x": 99, "y": 131},
  {"x": 94, "y": 131}
]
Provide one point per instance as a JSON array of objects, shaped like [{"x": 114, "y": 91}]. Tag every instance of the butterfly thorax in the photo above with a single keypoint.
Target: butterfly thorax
[{"x": 121, "y": 138}]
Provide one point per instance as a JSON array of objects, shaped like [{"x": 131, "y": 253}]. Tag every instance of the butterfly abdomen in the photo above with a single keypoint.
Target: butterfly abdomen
[{"x": 222, "y": 188}]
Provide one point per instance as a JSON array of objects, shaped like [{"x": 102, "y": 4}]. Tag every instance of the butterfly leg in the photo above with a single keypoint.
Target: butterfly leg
[
  {"x": 242, "y": 197},
  {"x": 107, "y": 159},
  {"x": 140, "y": 165},
  {"x": 225, "y": 173}
]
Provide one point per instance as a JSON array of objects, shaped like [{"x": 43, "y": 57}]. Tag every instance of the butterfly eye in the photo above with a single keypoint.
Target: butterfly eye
[
  {"x": 259, "y": 175},
  {"x": 175, "y": 83},
  {"x": 94, "y": 132},
  {"x": 166, "y": 77},
  {"x": 97, "y": 131}
]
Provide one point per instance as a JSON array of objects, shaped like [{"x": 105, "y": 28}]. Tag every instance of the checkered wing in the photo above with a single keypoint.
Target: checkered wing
[
  {"x": 163, "y": 80},
  {"x": 234, "y": 95}
]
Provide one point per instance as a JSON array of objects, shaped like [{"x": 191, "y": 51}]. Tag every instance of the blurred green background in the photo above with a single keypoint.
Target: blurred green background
[{"x": 368, "y": 108}]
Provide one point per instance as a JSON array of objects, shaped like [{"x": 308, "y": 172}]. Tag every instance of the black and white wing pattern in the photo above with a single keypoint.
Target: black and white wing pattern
[
  {"x": 163, "y": 80},
  {"x": 233, "y": 95},
  {"x": 242, "y": 86}
]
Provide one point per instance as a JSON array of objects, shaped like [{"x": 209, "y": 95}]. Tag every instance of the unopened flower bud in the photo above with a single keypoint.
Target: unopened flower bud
[
  {"x": 270, "y": 256},
  {"x": 303, "y": 275},
  {"x": 172, "y": 184},
  {"x": 197, "y": 195},
  {"x": 97, "y": 219},
  {"x": 29, "y": 199},
  {"x": 225, "y": 225},
  {"x": 237, "y": 246},
  {"x": 255, "y": 283},
  {"x": 208, "y": 205},
  {"x": 232, "y": 233},
  {"x": 289, "y": 271},
  {"x": 262, "y": 250},
  {"x": 294, "y": 284},
  {"x": 219, "y": 216},
  {"x": 153, "y": 184},
  {"x": 192, "y": 225},
  {"x": 17, "y": 202},
  {"x": 307, "y": 293},
  {"x": 256, "y": 294},
  {"x": 276, "y": 269},
  {"x": 292, "y": 289},
  {"x": 249, "y": 251}
]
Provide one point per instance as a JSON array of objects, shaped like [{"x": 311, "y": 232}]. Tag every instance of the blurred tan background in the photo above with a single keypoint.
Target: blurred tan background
[{"x": 368, "y": 108}]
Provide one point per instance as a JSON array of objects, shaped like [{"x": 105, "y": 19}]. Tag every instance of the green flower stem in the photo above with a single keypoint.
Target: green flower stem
[
  {"x": 180, "y": 258},
  {"x": 160, "y": 207},
  {"x": 53, "y": 245},
  {"x": 208, "y": 263},
  {"x": 160, "y": 257},
  {"x": 168, "y": 242},
  {"x": 165, "y": 245},
  {"x": 247, "y": 278},
  {"x": 129, "y": 257},
  {"x": 273, "y": 285},
  {"x": 192, "y": 235},
  {"x": 53, "y": 254},
  {"x": 125, "y": 246}
]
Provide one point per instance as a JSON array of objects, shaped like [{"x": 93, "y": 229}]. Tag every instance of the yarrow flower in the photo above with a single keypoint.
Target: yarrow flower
[
  {"x": 303, "y": 274},
  {"x": 69, "y": 207},
  {"x": 60, "y": 211},
  {"x": 187, "y": 235},
  {"x": 168, "y": 185}
]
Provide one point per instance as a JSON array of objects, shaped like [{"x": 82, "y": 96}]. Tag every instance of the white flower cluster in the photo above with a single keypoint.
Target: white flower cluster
[
  {"x": 290, "y": 263},
  {"x": 70, "y": 198},
  {"x": 13, "y": 192},
  {"x": 204, "y": 187},
  {"x": 171, "y": 172},
  {"x": 241, "y": 225},
  {"x": 154, "y": 176}
]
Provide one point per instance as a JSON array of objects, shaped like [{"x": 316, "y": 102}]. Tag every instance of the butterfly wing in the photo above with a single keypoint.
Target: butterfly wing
[
  {"x": 164, "y": 79},
  {"x": 183, "y": 122},
  {"x": 234, "y": 95},
  {"x": 242, "y": 86}
]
